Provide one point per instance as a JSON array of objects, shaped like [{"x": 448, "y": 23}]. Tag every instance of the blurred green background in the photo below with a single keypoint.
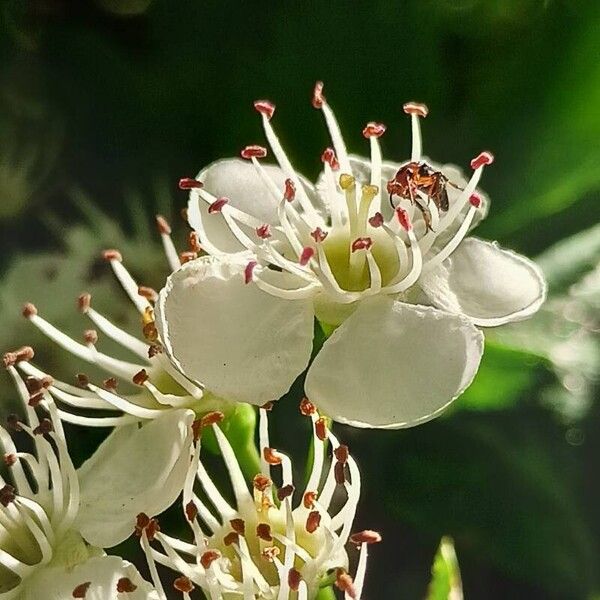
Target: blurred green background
[{"x": 105, "y": 104}]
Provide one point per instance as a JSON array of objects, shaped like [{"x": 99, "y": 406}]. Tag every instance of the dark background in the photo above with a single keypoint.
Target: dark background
[{"x": 104, "y": 105}]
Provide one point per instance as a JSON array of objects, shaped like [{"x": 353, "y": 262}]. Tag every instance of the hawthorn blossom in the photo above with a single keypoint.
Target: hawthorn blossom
[
  {"x": 275, "y": 542},
  {"x": 54, "y": 520},
  {"x": 368, "y": 252}
]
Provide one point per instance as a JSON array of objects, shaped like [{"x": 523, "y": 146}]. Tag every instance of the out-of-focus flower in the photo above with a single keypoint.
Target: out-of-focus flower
[
  {"x": 56, "y": 520},
  {"x": 266, "y": 546},
  {"x": 393, "y": 273}
]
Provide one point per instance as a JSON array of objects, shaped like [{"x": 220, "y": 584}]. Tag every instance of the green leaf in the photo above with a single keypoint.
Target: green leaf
[{"x": 445, "y": 583}]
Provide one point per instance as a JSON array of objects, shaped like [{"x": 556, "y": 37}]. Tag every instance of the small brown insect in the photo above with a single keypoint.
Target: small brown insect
[{"x": 416, "y": 177}]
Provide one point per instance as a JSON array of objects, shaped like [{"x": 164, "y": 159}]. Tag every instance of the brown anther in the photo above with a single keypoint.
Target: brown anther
[
  {"x": 9, "y": 459},
  {"x": 25, "y": 353},
  {"x": 33, "y": 384},
  {"x": 330, "y": 158},
  {"x": 321, "y": 428},
  {"x": 374, "y": 130},
  {"x": 82, "y": 380},
  {"x": 183, "y": 584},
  {"x": 147, "y": 292},
  {"x": 112, "y": 255},
  {"x": 7, "y": 495},
  {"x": 29, "y": 310},
  {"x": 342, "y": 453},
  {"x": 154, "y": 349},
  {"x": 290, "y": 190},
  {"x": 194, "y": 242},
  {"x": 345, "y": 583},
  {"x": 209, "y": 557},
  {"x": 9, "y": 359},
  {"x": 187, "y": 256},
  {"x": 294, "y": 579},
  {"x": 191, "y": 511},
  {"x": 90, "y": 336},
  {"x": 47, "y": 381},
  {"x": 249, "y": 271},
  {"x": 84, "y": 301},
  {"x": 313, "y": 521},
  {"x": 196, "y": 430},
  {"x": 35, "y": 399},
  {"x": 211, "y": 418},
  {"x": 264, "y": 231},
  {"x": 318, "y": 235},
  {"x": 309, "y": 499},
  {"x": 81, "y": 590},
  {"x": 14, "y": 422},
  {"x": 367, "y": 536},
  {"x": 265, "y": 107},
  {"x": 317, "y": 97},
  {"x": 261, "y": 482},
  {"x": 125, "y": 586},
  {"x": 270, "y": 553},
  {"x": 110, "y": 384},
  {"x": 217, "y": 205},
  {"x": 376, "y": 220},
  {"x": 44, "y": 427},
  {"x": 270, "y": 456},
  {"x": 231, "y": 538},
  {"x": 307, "y": 408},
  {"x": 263, "y": 531},
  {"x": 144, "y": 524},
  {"x": 339, "y": 473},
  {"x": 188, "y": 183},
  {"x": 268, "y": 406},
  {"x": 253, "y": 151},
  {"x": 163, "y": 225},
  {"x": 140, "y": 377},
  {"x": 150, "y": 332},
  {"x": 238, "y": 525},
  {"x": 416, "y": 108},
  {"x": 285, "y": 491}
]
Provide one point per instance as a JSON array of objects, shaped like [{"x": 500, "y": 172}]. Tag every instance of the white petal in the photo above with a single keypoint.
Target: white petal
[
  {"x": 102, "y": 572},
  {"x": 134, "y": 470},
  {"x": 490, "y": 285},
  {"x": 393, "y": 365},
  {"x": 238, "y": 341}
]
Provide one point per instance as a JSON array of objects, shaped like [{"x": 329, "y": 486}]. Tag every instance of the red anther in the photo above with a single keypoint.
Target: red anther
[
  {"x": 29, "y": 310},
  {"x": 186, "y": 257},
  {"x": 191, "y": 511},
  {"x": 362, "y": 243},
  {"x": 82, "y": 380},
  {"x": 126, "y": 586},
  {"x": 264, "y": 231},
  {"x": 7, "y": 495},
  {"x": 321, "y": 428},
  {"x": 140, "y": 377},
  {"x": 307, "y": 408},
  {"x": 330, "y": 158},
  {"x": 110, "y": 384},
  {"x": 163, "y": 225},
  {"x": 209, "y": 557},
  {"x": 318, "y": 235},
  {"x": 84, "y": 301},
  {"x": 403, "y": 219},
  {"x": 313, "y": 521},
  {"x": 271, "y": 457},
  {"x": 376, "y": 220},
  {"x": 345, "y": 583},
  {"x": 307, "y": 253},
  {"x": 10, "y": 459},
  {"x": 318, "y": 99},
  {"x": 290, "y": 190},
  {"x": 35, "y": 399},
  {"x": 211, "y": 418},
  {"x": 217, "y": 205},
  {"x": 263, "y": 531},
  {"x": 147, "y": 292},
  {"x": 309, "y": 499},
  {"x": 339, "y": 473},
  {"x": 194, "y": 242},
  {"x": 188, "y": 183},
  {"x": 368, "y": 536},
  {"x": 342, "y": 453},
  {"x": 238, "y": 525},
  {"x": 44, "y": 427},
  {"x": 484, "y": 158},
  {"x": 416, "y": 108},
  {"x": 253, "y": 151},
  {"x": 294, "y": 579},
  {"x": 145, "y": 524},
  {"x": 374, "y": 130},
  {"x": 81, "y": 590},
  {"x": 112, "y": 255},
  {"x": 265, "y": 107},
  {"x": 285, "y": 491},
  {"x": 90, "y": 336},
  {"x": 475, "y": 200},
  {"x": 249, "y": 271},
  {"x": 14, "y": 422},
  {"x": 183, "y": 584},
  {"x": 231, "y": 538},
  {"x": 261, "y": 482}
]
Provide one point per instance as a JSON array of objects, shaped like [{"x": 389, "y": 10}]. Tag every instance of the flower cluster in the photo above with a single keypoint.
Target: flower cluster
[{"x": 378, "y": 254}]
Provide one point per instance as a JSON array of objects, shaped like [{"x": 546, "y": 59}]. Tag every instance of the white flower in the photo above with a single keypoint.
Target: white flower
[
  {"x": 402, "y": 284},
  {"x": 274, "y": 543},
  {"x": 54, "y": 520}
]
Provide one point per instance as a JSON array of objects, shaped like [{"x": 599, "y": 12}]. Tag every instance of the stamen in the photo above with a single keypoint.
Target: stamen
[
  {"x": 344, "y": 583},
  {"x": 307, "y": 253},
  {"x": 363, "y": 243},
  {"x": 81, "y": 590},
  {"x": 368, "y": 536},
  {"x": 126, "y": 586},
  {"x": 318, "y": 99},
  {"x": 265, "y": 107},
  {"x": 217, "y": 205},
  {"x": 264, "y": 231},
  {"x": 253, "y": 151},
  {"x": 249, "y": 270},
  {"x": 290, "y": 190},
  {"x": 188, "y": 183},
  {"x": 416, "y": 111},
  {"x": 330, "y": 158},
  {"x": 318, "y": 235},
  {"x": 484, "y": 158},
  {"x": 165, "y": 233},
  {"x": 373, "y": 129},
  {"x": 376, "y": 220}
]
